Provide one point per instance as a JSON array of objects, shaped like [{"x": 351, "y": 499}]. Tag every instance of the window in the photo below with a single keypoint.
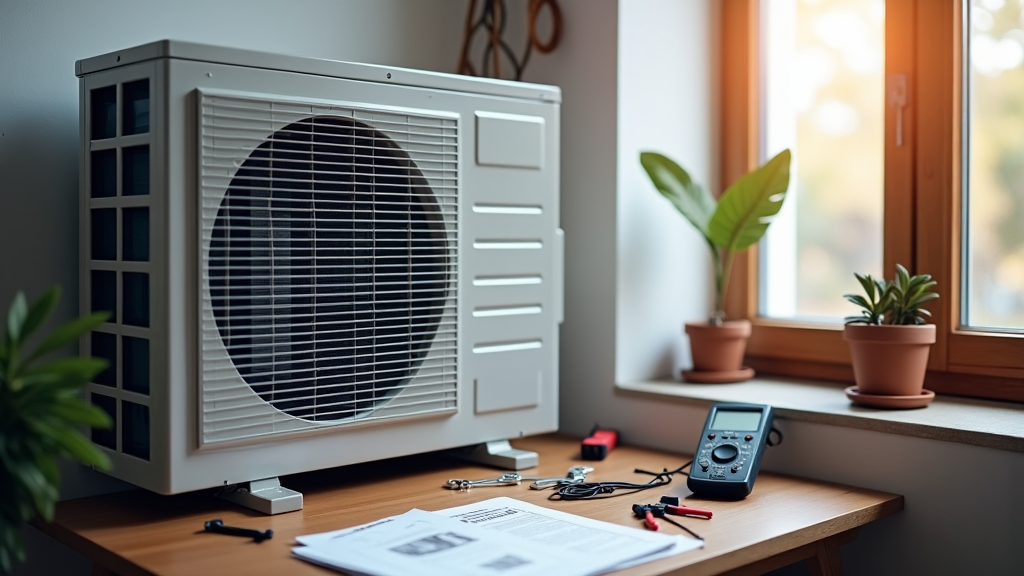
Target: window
[{"x": 947, "y": 168}]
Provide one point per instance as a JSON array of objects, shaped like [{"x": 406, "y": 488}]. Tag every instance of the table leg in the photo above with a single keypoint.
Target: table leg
[{"x": 826, "y": 560}]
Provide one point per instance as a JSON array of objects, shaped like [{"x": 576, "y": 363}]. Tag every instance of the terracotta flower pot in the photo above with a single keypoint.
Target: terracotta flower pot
[
  {"x": 889, "y": 360},
  {"x": 718, "y": 348}
]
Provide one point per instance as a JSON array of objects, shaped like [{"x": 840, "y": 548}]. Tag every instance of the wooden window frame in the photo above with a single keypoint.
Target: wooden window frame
[{"x": 922, "y": 182}]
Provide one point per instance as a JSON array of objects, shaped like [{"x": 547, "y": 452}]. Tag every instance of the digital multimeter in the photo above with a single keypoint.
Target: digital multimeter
[{"x": 730, "y": 449}]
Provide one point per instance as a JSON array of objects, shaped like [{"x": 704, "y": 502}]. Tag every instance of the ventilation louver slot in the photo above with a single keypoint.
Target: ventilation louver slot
[{"x": 328, "y": 265}]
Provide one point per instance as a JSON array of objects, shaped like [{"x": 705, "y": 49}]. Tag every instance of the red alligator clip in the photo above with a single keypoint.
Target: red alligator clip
[
  {"x": 686, "y": 511},
  {"x": 648, "y": 512}
]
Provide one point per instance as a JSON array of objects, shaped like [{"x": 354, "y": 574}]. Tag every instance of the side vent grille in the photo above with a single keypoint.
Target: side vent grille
[{"x": 329, "y": 263}]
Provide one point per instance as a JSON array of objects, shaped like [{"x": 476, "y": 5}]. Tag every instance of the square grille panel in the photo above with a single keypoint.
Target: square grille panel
[{"x": 328, "y": 265}]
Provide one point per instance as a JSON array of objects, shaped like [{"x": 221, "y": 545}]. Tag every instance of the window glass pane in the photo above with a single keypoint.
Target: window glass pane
[
  {"x": 135, "y": 298},
  {"x": 104, "y": 113},
  {"x": 104, "y": 173},
  {"x": 104, "y": 234},
  {"x": 135, "y": 364},
  {"x": 135, "y": 433},
  {"x": 106, "y": 437},
  {"x": 994, "y": 208},
  {"x": 104, "y": 292},
  {"x": 136, "y": 107},
  {"x": 824, "y": 81},
  {"x": 135, "y": 164},
  {"x": 135, "y": 235},
  {"x": 104, "y": 346}
]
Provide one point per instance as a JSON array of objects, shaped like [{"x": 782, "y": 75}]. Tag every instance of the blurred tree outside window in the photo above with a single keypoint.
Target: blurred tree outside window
[
  {"x": 936, "y": 184},
  {"x": 994, "y": 267}
]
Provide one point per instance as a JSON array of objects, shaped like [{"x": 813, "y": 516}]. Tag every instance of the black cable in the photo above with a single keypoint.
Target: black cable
[
  {"x": 598, "y": 490},
  {"x": 492, "y": 22},
  {"x": 692, "y": 533}
]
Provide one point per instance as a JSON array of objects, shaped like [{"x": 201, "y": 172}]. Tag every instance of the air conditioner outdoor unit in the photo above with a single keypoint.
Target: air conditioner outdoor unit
[{"x": 311, "y": 263}]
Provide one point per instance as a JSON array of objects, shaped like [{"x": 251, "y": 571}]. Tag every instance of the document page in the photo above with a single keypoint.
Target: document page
[
  {"x": 580, "y": 545},
  {"x": 619, "y": 546},
  {"x": 427, "y": 544}
]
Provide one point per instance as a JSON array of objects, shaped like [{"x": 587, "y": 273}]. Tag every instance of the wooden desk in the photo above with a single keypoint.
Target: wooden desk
[{"x": 783, "y": 521}]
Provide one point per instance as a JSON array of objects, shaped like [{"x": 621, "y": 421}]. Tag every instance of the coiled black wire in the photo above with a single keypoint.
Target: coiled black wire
[
  {"x": 599, "y": 490},
  {"x": 491, "y": 22}
]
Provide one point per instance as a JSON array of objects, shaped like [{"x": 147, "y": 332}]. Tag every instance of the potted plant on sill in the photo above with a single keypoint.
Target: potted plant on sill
[
  {"x": 40, "y": 412},
  {"x": 729, "y": 225},
  {"x": 890, "y": 341}
]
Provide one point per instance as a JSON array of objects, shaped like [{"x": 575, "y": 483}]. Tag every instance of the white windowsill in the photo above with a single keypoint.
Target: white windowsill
[{"x": 991, "y": 424}]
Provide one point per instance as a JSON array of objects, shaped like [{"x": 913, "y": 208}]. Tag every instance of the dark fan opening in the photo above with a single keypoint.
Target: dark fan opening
[{"x": 328, "y": 269}]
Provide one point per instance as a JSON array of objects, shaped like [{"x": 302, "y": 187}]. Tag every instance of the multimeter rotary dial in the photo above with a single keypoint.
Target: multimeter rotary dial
[{"x": 725, "y": 453}]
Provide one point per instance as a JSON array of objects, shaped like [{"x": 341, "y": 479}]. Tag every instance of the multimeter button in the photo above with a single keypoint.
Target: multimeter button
[
  {"x": 711, "y": 436},
  {"x": 725, "y": 453},
  {"x": 748, "y": 437}
]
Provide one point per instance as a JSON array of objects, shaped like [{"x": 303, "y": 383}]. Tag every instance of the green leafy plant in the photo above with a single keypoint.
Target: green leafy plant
[
  {"x": 40, "y": 411},
  {"x": 730, "y": 224},
  {"x": 898, "y": 302}
]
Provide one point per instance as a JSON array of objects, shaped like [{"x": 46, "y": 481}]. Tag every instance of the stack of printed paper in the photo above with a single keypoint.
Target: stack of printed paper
[{"x": 498, "y": 536}]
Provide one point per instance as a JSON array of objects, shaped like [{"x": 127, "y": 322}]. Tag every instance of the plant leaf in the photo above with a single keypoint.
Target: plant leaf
[
  {"x": 868, "y": 283},
  {"x": 72, "y": 410},
  {"x": 747, "y": 207},
  {"x": 72, "y": 443},
  {"x": 692, "y": 200},
  {"x": 858, "y": 300},
  {"x": 68, "y": 333},
  {"x": 40, "y": 311},
  {"x": 16, "y": 319}
]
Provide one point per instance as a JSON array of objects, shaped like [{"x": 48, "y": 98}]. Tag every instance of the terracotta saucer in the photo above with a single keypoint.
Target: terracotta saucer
[
  {"x": 715, "y": 377},
  {"x": 881, "y": 401}
]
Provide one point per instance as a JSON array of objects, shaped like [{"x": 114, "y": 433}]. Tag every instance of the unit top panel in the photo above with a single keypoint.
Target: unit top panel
[{"x": 333, "y": 68}]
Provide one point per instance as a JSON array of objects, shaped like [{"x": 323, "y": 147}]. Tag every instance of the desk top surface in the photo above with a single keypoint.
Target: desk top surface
[{"x": 139, "y": 532}]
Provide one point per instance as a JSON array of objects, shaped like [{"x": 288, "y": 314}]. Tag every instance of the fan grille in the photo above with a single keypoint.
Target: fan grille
[{"x": 329, "y": 268}]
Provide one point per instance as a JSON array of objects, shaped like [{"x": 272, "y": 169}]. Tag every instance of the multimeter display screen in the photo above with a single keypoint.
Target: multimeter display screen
[{"x": 738, "y": 420}]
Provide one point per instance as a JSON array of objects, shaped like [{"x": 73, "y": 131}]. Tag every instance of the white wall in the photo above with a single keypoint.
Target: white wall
[
  {"x": 639, "y": 74},
  {"x": 39, "y": 43},
  {"x": 665, "y": 100}
]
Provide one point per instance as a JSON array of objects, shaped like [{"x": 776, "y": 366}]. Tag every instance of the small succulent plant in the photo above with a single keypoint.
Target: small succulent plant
[{"x": 896, "y": 303}]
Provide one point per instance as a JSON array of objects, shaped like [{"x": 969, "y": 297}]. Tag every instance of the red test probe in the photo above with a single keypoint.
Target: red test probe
[{"x": 649, "y": 512}]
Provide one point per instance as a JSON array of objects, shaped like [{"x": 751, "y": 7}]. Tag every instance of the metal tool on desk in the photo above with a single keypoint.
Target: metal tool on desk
[
  {"x": 506, "y": 479},
  {"x": 217, "y": 526},
  {"x": 575, "y": 475}
]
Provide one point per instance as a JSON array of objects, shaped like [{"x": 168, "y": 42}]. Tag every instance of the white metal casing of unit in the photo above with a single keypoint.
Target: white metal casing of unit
[{"x": 180, "y": 142}]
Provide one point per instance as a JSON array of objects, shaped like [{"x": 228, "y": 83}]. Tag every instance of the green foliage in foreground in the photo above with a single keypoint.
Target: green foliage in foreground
[{"x": 40, "y": 412}]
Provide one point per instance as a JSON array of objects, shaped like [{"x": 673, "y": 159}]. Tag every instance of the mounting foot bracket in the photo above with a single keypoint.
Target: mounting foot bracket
[
  {"x": 497, "y": 453},
  {"x": 266, "y": 496}
]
